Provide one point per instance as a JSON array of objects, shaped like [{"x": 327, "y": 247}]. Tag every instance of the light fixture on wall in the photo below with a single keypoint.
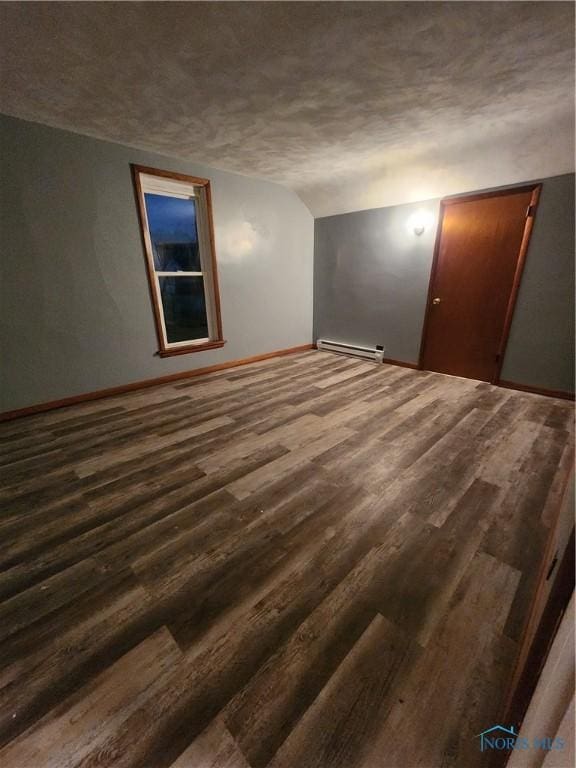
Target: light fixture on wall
[{"x": 419, "y": 221}]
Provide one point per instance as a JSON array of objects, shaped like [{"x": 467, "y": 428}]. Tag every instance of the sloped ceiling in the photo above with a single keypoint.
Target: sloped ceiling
[{"x": 353, "y": 105}]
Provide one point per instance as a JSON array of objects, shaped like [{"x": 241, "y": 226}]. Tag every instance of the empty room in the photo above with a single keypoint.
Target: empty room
[{"x": 287, "y": 384}]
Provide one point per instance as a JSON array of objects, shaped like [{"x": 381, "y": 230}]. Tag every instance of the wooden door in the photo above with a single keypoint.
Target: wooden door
[{"x": 477, "y": 266}]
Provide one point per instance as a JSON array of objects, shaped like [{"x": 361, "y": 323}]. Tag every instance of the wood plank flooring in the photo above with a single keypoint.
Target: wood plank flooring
[{"x": 308, "y": 562}]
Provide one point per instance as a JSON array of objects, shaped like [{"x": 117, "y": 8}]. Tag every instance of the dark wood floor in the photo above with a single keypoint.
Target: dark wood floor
[{"x": 310, "y": 562}]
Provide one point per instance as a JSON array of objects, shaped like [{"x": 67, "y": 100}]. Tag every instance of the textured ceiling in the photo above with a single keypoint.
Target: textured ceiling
[{"x": 353, "y": 105}]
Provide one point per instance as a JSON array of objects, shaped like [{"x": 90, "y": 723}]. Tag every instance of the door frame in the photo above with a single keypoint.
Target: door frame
[
  {"x": 547, "y": 608},
  {"x": 520, "y": 260}
]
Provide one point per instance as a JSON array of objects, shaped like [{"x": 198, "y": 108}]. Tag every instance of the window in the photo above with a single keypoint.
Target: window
[{"x": 177, "y": 233}]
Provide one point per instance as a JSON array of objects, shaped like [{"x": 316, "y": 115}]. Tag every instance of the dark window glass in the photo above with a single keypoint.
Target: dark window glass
[
  {"x": 172, "y": 226},
  {"x": 184, "y": 308}
]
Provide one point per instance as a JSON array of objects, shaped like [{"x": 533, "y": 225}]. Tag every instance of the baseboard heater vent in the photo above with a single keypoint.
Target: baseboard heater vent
[{"x": 375, "y": 354}]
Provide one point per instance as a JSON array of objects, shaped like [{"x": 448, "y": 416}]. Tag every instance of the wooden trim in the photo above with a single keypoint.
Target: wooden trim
[
  {"x": 529, "y": 630},
  {"x": 401, "y": 363},
  {"x": 519, "y": 698},
  {"x": 215, "y": 283},
  {"x": 165, "y": 350},
  {"x": 197, "y": 180},
  {"x": 141, "y": 206},
  {"x": 539, "y": 628},
  {"x": 559, "y": 393},
  {"x": 536, "y": 390},
  {"x": 124, "y": 388},
  {"x": 520, "y": 261},
  {"x": 391, "y": 361},
  {"x": 184, "y": 350},
  {"x": 503, "y": 192},
  {"x": 540, "y": 624},
  {"x": 429, "y": 296}
]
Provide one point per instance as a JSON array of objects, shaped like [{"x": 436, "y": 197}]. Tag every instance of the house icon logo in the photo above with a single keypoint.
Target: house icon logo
[
  {"x": 505, "y": 738},
  {"x": 497, "y": 737}
]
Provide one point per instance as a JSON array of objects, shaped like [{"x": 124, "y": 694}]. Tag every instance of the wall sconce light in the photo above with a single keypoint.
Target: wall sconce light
[
  {"x": 419, "y": 221},
  {"x": 419, "y": 229}
]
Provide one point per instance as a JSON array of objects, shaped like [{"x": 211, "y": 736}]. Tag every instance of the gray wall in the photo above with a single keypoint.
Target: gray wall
[
  {"x": 371, "y": 276},
  {"x": 541, "y": 344},
  {"x": 75, "y": 306}
]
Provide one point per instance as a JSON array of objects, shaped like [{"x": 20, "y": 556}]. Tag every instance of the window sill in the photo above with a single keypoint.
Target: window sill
[{"x": 191, "y": 348}]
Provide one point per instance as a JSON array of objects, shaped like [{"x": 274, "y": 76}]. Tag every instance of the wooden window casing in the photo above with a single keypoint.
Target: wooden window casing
[{"x": 154, "y": 181}]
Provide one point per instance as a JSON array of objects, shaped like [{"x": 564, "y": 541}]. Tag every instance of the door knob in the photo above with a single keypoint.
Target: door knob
[{"x": 436, "y": 301}]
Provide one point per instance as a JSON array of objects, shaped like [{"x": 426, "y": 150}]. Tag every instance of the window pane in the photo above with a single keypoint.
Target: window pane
[
  {"x": 184, "y": 308},
  {"x": 172, "y": 225}
]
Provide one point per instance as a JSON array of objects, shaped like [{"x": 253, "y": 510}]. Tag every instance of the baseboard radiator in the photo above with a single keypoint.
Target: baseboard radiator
[{"x": 368, "y": 353}]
